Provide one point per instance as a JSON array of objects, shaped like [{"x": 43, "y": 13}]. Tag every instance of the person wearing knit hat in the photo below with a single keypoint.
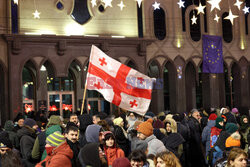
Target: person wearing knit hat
[
  {"x": 207, "y": 131},
  {"x": 118, "y": 121},
  {"x": 145, "y": 132},
  {"x": 231, "y": 127},
  {"x": 30, "y": 123},
  {"x": 233, "y": 140},
  {"x": 121, "y": 162},
  {"x": 55, "y": 139},
  {"x": 235, "y": 111},
  {"x": 5, "y": 144},
  {"x": 212, "y": 116}
]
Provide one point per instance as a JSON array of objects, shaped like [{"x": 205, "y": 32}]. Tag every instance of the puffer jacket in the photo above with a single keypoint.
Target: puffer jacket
[{"x": 60, "y": 157}]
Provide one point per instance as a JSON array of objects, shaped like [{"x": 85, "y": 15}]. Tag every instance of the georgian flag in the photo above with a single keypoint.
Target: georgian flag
[{"x": 118, "y": 83}]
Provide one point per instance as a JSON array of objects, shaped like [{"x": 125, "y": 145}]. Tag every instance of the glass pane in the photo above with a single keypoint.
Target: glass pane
[
  {"x": 93, "y": 106},
  {"x": 28, "y": 87},
  {"x": 67, "y": 105},
  {"x": 54, "y": 104}
]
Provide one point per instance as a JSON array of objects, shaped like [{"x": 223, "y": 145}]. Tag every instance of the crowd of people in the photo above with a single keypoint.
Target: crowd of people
[{"x": 126, "y": 139}]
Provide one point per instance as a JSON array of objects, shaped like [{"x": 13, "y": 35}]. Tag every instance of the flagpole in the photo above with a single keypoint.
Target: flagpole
[
  {"x": 84, "y": 95},
  {"x": 86, "y": 82}
]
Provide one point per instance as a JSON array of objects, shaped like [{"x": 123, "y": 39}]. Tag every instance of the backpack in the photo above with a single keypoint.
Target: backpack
[{"x": 215, "y": 132}]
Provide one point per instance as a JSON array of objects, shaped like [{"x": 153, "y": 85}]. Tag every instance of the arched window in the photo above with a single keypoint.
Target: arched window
[
  {"x": 235, "y": 80},
  {"x": 153, "y": 70},
  {"x": 190, "y": 78},
  {"x": 227, "y": 28},
  {"x": 28, "y": 87},
  {"x": 169, "y": 77},
  {"x": 199, "y": 101},
  {"x": 131, "y": 64},
  {"x": 195, "y": 30},
  {"x": 159, "y": 24},
  {"x": 227, "y": 87}
]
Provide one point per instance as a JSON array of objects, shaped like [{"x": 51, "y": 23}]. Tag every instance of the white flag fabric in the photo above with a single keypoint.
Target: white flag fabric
[{"x": 118, "y": 83}]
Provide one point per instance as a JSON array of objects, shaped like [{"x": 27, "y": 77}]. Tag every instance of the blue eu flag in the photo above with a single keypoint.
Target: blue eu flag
[{"x": 212, "y": 54}]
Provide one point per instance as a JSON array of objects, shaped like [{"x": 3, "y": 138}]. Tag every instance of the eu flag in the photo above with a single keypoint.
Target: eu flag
[{"x": 212, "y": 54}]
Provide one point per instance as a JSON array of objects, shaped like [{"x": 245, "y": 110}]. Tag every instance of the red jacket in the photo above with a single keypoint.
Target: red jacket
[
  {"x": 60, "y": 157},
  {"x": 112, "y": 154}
]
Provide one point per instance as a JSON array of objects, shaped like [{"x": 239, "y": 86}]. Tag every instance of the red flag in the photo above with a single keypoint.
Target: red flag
[{"x": 118, "y": 83}]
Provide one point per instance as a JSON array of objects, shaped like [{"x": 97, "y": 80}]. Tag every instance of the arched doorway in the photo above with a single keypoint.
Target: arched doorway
[
  {"x": 29, "y": 87},
  {"x": 2, "y": 96},
  {"x": 169, "y": 80},
  {"x": 190, "y": 82},
  {"x": 154, "y": 72}
]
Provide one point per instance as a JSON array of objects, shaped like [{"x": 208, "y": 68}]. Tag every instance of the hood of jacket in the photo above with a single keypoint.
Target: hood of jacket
[
  {"x": 211, "y": 123},
  {"x": 54, "y": 120},
  {"x": 89, "y": 155},
  {"x": 236, "y": 136},
  {"x": 63, "y": 149},
  {"x": 9, "y": 125},
  {"x": 173, "y": 124},
  {"x": 26, "y": 131},
  {"x": 92, "y": 133}
]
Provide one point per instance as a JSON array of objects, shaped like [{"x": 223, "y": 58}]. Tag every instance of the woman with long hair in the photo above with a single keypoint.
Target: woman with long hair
[{"x": 112, "y": 151}]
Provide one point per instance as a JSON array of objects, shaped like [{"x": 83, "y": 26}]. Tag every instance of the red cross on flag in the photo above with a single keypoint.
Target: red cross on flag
[{"x": 119, "y": 84}]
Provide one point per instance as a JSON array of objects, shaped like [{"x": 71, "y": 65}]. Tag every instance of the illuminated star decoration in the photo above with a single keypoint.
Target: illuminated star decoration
[
  {"x": 139, "y": 2},
  {"x": 15, "y": 2},
  {"x": 214, "y": 4},
  {"x": 216, "y": 18},
  {"x": 238, "y": 3},
  {"x": 121, "y": 5},
  {"x": 36, "y": 14},
  {"x": 194, "y": 20},
  {"x": 181, "y": 4},
  {"x": 156, "y": 5},
  {"x": 93, "y": 2},
  {"x": 231, "y": 17},
  {"x": 107, "y": 3},
  {"x": 200, "y": 9},
  {"x": 246, "y": 10}
]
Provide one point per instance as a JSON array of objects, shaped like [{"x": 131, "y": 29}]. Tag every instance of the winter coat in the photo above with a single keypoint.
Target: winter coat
[
  {"x": 112, "y": 154},
  {"x": 75, "y": 147},
  {"x": 205, "y": 136},
  {"x": 172, "y": 143},
  {"x": 154, "y": 145},
  {"x": 121, "y": 139},
  {"x": 195, "y": 153},
  {"x": 27, "y": 138},
  {"x": 89, "y": 155},
  {"x": 39, "y": 145},
  {"x": 9, "y": 128},
  {"x": 60, "y": 157},
  {"x": 230, "y": 118},
  {"x": 222, "y": 140}
]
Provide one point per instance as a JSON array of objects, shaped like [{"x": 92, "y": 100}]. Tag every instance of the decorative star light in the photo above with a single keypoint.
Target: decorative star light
[
  {"x": 194, "y": 20},
  {"x": 200, "y": 9},
  {"x": 238, "y": 3},
  {"x": 36, "y": 14},
  {"x": 216, "y": 18},
  {"x": 181, "y": 4},
  {"x": 139, "y": 2},
  {"x": 214, "y": 4},
  {"x": 93, "y": 2},
  {"x": 156, "y": 5},
  {"x": 121, "y": 5},
  {"x": 16, "y": 2},
  {"x": 246, "y": 10},
  {"x": 231, "y": 17},
  {"x": 107, "y": 3}
]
